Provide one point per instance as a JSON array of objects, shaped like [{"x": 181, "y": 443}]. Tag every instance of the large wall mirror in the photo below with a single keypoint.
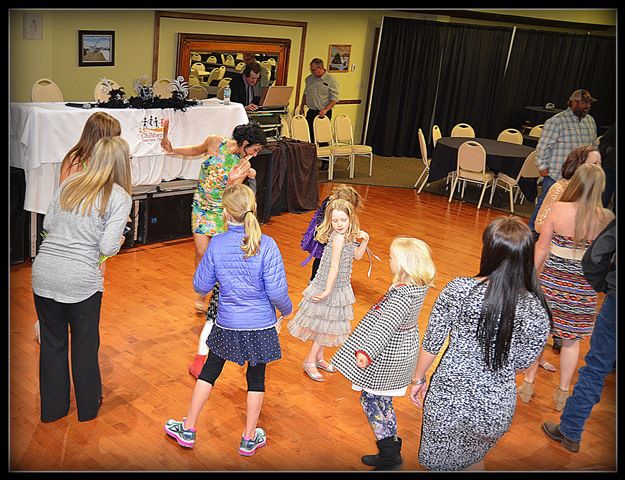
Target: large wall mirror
[{"x": 211, "y": 60}]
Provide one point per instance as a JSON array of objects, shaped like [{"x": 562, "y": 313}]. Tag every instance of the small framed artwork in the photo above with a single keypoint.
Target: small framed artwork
[
  {"x": 338, "y": 58},
  {"x": 32, "y": 26},
  {"x": 96, "y": 48}
]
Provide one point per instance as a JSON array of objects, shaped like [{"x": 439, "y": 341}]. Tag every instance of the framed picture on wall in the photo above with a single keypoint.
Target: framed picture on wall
[
  {"x": 96, "y": 48},
  {"x": 338, "y": 58},
  {"x": 32, "y": 26}
]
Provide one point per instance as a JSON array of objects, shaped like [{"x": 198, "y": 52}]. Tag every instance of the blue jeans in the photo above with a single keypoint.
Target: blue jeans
[
  {"x": 546, "y": 185},
  {"x": 599, "y": 363}
]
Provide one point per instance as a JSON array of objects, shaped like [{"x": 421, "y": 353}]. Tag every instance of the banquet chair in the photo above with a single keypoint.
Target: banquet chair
[
  {"x": 436, "y": 134},
  {"x": 220, "y": 93},
  {"x": 46, "y": 90},
  {"x": 510, "y": 135},
  {"x": 211, "y": 59},
  {"x": 240, "y": 67},
  {"x": 197, "y": 92},
  {"x": 322, "y": 128},
  {"x": 536, "y": 131},
  {"x": 223, "y": 82},
  {"x": 162, "y": 88},
  {"x": 285, "y": 130},
  {"x": 193, "y": 80},
  {"x": 199, "y": 66},
  {"x": 471, "y": 167},
  {"x": 463, "y": 130},
  {"x": 299, "y": 128},
  {"x": 266, "y": 70},
  {"x": 212, "y": 78},
  {"x": 344, "y": 136},
  {"x": 196, "y": 57},
  {"x": 99, "y": 92},
  {"x": 229, "y": 61},
  {"x": 425, "y": 160},
  {"x": 528, "y": 170}
]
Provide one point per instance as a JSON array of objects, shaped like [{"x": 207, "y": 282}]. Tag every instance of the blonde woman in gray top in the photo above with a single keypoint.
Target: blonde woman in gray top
[{"x": 86, "y": 219}]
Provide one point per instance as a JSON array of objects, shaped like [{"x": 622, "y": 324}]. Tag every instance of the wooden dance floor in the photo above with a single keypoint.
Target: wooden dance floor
[{"x": 149, "y": 335}]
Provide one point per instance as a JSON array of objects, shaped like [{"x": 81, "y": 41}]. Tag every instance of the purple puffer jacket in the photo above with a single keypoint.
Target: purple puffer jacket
[{"x": 250, "y": 289}]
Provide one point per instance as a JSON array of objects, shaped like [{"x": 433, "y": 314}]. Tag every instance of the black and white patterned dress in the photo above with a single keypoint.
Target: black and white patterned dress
[
  {"x": 467, "y": 406},
  {"x": 389, "y": 335}
]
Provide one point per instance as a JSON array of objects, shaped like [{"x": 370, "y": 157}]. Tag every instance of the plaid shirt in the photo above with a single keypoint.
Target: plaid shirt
[{"x": 562, "y": 133}]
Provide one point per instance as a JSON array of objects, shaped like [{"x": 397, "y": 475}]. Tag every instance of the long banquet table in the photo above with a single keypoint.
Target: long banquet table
[{"x": 42, "y": 133}]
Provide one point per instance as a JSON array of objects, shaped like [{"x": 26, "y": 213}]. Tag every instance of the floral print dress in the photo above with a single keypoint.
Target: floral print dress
[{"x": 207, "y": 210}]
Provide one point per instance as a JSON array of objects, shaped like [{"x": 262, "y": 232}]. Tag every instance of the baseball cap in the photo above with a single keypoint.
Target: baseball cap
[{"x": 582, "y": 95}]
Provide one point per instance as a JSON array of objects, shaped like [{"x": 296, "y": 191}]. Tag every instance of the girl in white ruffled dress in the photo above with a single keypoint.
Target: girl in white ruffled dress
[{"x": 325, "y": 313}]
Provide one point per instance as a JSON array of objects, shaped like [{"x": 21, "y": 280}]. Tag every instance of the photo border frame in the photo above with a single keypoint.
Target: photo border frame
[
  {"x": 82, "y": 35},
  {"x": 333, "y": 47}
]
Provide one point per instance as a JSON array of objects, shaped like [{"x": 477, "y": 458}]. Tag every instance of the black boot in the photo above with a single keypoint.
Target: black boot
[
  {"x": 389, "y": 457},
  {"x": 374, "y": 460}
]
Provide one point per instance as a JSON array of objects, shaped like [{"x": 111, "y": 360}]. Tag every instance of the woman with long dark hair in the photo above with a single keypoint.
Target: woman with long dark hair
[{"x": 497, "y": 323}]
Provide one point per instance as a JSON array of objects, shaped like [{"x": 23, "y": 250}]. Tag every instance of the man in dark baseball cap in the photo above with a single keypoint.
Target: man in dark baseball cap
[{"x": 580, "y": 101}]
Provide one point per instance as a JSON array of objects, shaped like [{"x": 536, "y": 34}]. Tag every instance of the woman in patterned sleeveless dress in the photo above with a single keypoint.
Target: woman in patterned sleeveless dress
[
  {"x": 325, "y": 313},
  {"x": 571, "y": 225},
  {"x": 227, "y": 163}
]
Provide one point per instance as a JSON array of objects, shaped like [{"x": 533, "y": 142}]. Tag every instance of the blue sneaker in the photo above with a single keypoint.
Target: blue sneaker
[
  {"x": 248, "y": 447},
  {"x": 184, "y": 436}
]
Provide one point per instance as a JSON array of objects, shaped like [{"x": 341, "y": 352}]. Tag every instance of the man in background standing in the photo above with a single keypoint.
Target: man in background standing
[{"x": 321, "y": 93}]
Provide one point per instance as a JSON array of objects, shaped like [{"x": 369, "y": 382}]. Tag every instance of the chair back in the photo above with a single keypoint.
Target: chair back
[
  {"x": 463, "y": 130},
  {"x": 323, "y": 130},
  {"x": 529, "y": 168},
  {"x": 220, "y": 93},
  {"x": 196, "y": 57},
  {"x": 199, "y": 66},
  {"x": 46, "y": 90},
  {"x": 471, "y": 157},
  {"x": 423, "y": 148},
  {"x": 211, "y": 59},
  {"x": 285, "y": 131},
  {"x": 343, "y": 132},
  {"x": 436, "y": 134},
  {"x": 271, "y": 61},
  {"x": 213, "y": 75},
  {"x": 197, "y": 92},
  {"x": 223, "y": 82},
  {"x": 229, "y": 61},
  {"x": 162, "y": 88},
  {"x": 221, "y": 73},
  {"x": 193, "y": 80},
  {"x": 240, "y": 67},
  {"x": 99, "y": 94},
  {"x": 536, "y": 131},
  {"x": 299, "y": 128},
  {"x": 511, "y": 135}
]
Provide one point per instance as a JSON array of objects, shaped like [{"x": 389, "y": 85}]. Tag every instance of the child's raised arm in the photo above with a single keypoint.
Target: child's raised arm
[
  {"x": 338, "y": 242},
  {"x": 362, "y": 248}
]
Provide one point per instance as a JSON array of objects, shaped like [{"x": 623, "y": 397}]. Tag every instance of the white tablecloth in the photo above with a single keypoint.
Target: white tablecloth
[{"x": 42, "y": 133}]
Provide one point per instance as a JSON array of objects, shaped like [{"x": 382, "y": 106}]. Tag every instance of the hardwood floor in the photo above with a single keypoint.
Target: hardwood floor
[{"x": 149, "y": 334}]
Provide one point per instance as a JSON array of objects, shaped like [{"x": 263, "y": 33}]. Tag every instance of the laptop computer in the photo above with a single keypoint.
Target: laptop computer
[{"x": 275, "y": 97}]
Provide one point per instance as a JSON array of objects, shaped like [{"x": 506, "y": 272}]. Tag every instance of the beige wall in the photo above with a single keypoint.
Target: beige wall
[{"x": 55, "y": 56}]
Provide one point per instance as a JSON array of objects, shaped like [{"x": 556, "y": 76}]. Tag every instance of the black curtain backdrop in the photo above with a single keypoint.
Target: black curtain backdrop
[
  {"x": 546, "y": 67},
  {"x": 543, "y": 67},
  {"x": 404, "y": 87},
  {"x": 474, "y": 60}
]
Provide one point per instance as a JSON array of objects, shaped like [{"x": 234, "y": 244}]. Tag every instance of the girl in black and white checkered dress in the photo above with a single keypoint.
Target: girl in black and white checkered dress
[{"x": 380, "y": 355}]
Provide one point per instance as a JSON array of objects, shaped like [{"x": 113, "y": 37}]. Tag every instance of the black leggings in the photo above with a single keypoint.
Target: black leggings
[{"x": 213, "y": 366}]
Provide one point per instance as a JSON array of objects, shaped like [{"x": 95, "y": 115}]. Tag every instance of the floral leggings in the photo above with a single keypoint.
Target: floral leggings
[{"x": 380, "y": 413}]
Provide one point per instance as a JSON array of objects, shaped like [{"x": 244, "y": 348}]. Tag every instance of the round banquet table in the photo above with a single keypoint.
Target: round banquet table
[
  {"x": 536, "y": 114},
  {"x": 500, "y": 157}
]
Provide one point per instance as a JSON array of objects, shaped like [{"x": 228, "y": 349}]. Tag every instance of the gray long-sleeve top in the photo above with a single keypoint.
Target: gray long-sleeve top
[{"x": 66, "y": 269}]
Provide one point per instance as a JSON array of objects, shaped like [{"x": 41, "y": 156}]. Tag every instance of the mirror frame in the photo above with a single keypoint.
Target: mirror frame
[{"x": 197, "y": 42}]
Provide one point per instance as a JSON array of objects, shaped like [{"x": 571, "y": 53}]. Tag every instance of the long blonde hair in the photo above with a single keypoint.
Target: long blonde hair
[
  {"x": 324, "y": 229},
  {"x": 413, "y": 259},
  {"x": 99, "y": 125},
  {"x": 240, "y": 203},
  {"x": 585, "y": 188},
  {"x": 110, "y": 164}
]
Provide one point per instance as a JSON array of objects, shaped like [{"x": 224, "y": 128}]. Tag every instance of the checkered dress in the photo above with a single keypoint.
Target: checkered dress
[
  {"x": 389, "y": 335},
  {"x": 562, "y": 133}
]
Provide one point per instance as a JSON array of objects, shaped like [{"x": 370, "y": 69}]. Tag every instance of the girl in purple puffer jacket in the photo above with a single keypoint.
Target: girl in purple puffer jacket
[{"x": 249, "y": 268}]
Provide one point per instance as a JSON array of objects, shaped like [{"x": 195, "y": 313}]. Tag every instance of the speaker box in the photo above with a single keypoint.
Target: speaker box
[
  {"x": 19, "y": 218},
  {"x": 167, "y": 216}
]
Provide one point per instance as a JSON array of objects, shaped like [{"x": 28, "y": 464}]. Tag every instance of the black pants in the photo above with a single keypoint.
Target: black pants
[
  {"x": 213, "y": 366},
  {"x": 83, "y": 319}
]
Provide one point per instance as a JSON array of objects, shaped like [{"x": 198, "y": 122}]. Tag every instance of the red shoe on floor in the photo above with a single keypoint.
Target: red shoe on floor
[{"x": 196, "y": 367}]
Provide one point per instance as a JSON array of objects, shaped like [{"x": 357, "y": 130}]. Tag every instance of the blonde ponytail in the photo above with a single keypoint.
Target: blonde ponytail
[{"x": 240, "y": 203}]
